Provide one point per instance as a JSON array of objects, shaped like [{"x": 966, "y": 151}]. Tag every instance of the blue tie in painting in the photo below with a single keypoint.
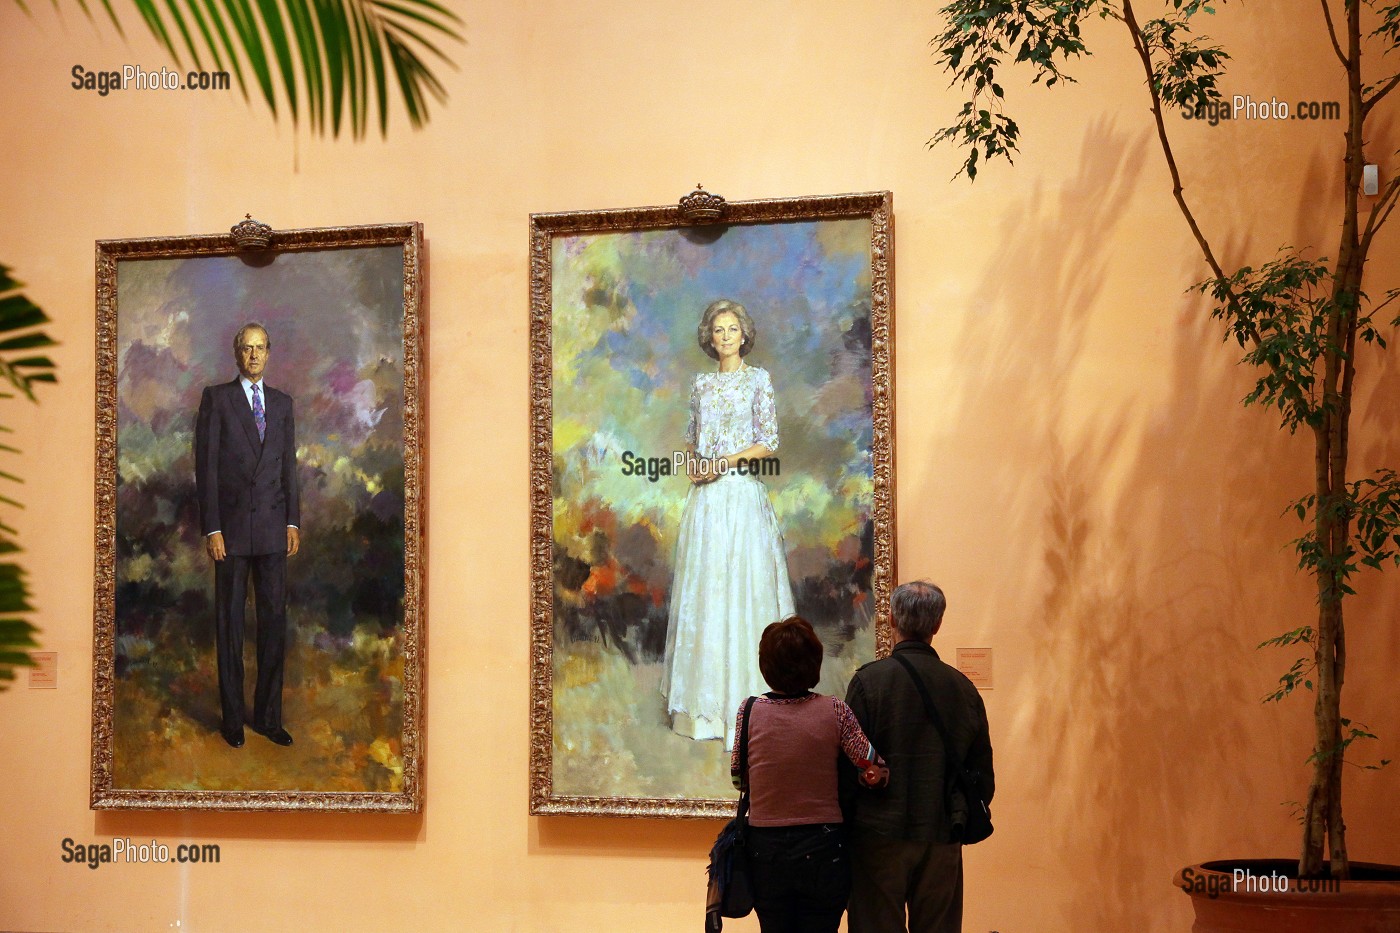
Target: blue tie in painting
[{"x": 259, "y": 415}]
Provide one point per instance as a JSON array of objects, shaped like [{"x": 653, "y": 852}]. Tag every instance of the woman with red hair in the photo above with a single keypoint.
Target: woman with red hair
[{"x": 797, "y": 844}]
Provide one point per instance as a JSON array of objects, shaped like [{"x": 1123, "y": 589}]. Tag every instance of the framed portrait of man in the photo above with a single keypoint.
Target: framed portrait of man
[
  {"x": 259, "y": 626},
  {"x": 711, "y": 452}
]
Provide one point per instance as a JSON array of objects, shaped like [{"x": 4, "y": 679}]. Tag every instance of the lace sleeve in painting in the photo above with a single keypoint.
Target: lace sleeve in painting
[
  {"x": 765, "y": 412},
  {"x": 692, "y": 427}
]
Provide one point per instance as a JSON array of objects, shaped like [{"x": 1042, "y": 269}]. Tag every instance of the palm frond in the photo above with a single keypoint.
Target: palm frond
[
  {"x": 19, "y": 318},
  {"x": 319, "y": 58}
]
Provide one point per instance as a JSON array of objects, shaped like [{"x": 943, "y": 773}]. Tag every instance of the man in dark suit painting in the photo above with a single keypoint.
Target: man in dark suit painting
[{"x": 249, "y": 511}]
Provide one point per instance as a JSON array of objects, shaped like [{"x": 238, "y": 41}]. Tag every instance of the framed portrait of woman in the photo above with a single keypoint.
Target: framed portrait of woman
[{"x": 712, "y": 451}]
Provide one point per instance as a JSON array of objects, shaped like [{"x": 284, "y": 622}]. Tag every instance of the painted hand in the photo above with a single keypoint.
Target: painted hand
[{"x": 700, "y": 477}]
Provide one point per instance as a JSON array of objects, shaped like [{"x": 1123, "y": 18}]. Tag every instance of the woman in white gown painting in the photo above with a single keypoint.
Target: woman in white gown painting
[{"x": 731, "y": 576}]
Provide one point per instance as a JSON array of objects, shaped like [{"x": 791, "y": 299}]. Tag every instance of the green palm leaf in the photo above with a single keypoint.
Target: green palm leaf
[
  {"x": 326, "y": 55},
  {"x": 18, "y": 318},
  {"x": 20, "y": 369}
]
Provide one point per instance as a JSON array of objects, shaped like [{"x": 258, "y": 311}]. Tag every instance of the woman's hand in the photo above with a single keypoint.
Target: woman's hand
[
  {"x": 875, "y": 775},
  {"x": 703, "y": 471}
]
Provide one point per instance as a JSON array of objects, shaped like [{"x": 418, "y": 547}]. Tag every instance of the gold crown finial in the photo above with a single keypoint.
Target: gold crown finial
[
  {"x": 701, "y": 206},
  {"x": 251, "y": 234}
]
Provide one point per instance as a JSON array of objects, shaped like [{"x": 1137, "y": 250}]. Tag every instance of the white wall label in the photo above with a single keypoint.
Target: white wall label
[
  {"x": 976, "y": 663},
  {"x": 44, "y": 674}
]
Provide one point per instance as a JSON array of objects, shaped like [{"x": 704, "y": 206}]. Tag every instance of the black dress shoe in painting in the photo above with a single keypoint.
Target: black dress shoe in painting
[
  {"x": 278, "y": 736},
  {"x": 233, "y": 737}
]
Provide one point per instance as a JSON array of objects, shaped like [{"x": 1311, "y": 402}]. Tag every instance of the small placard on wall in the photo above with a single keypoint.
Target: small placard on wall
[
  {"x": 44, "y": 674},
  {"x": 976, "y": 664}
]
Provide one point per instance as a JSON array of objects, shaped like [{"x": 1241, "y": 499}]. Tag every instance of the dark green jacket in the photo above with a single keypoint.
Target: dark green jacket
[{"x": 889, "y": 709}]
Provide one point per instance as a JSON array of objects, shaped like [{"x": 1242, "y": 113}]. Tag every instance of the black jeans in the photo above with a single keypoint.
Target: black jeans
[{"x": 801, "y": 877}]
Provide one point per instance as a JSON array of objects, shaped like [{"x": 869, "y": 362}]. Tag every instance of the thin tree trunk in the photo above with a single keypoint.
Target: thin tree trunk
[
  {"x": 1323, "y": 827},
  {"x": 1319, "y": 803},
  {"x": 1178, "y": 189}
]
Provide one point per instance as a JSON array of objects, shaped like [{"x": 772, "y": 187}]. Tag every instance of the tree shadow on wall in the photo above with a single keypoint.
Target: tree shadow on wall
[{"x": 1152, "y": 523}]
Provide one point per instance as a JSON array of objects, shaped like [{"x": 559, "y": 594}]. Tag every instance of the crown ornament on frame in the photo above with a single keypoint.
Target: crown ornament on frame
[
  {"x": 701, "y": 206},
  {"x": 251, "y": 234}
]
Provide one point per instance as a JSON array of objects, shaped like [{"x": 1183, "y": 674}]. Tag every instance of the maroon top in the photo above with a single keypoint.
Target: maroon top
[{"x": 794, "y": 744}]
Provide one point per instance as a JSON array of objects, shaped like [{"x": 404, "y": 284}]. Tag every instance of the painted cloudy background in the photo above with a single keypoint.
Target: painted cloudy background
[
  {"x": 335, "y": 321},
  {"x": 625, "y": 312}
]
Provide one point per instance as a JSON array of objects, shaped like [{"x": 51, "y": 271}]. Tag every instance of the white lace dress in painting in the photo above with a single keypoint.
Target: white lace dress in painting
[{"x": 731, "y": 577}]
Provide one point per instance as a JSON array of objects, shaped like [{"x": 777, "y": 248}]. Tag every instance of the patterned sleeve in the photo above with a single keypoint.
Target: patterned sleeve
[
  {"x": 765, "y": 412},
  {"x": 734, "y": 774},
  {"x": 692, "y": 427},
  {"x": 853, "y": 741}
]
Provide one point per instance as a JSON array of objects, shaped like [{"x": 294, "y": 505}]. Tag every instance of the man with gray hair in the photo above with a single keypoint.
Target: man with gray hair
[
  {"x": 245, "y": 457},
  {"x": 905, "y": 851}
]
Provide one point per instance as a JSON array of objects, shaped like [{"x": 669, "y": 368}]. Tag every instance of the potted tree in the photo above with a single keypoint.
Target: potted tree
[{"x": 1300, "y": 320}]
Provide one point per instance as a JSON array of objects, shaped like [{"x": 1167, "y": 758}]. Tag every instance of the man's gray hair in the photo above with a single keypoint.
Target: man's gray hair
[
  {"x": 918, "y": 609},
  {"x": 251, "y": 325}
]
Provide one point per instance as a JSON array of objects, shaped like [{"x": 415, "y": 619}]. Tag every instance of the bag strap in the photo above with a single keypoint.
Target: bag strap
[
  {"x": 744, "y": 756},
  {"x": 930, "y": 709}
]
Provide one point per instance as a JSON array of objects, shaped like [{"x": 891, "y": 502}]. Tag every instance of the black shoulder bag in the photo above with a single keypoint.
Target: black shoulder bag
[
  {"x": 968, "y": 811},
  {"x": 730, "y": 887}
]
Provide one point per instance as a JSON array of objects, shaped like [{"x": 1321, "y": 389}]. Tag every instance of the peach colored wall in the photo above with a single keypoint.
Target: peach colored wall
[{"x": 1072, "y": 465}]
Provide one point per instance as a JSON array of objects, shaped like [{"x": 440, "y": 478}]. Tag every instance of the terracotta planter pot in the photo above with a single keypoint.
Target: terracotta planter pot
[{"x": 1259, "y": 896}]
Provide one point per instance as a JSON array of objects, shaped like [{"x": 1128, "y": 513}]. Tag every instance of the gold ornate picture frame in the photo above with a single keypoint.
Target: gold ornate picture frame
[
  {"x": 634, "y": 688},
  {"x": 340, "y": 344}
]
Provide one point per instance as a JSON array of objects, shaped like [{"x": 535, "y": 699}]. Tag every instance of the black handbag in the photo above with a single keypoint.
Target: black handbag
[
  {"x": 969, "y": 813},
  {"x": 730, "y": 891}
]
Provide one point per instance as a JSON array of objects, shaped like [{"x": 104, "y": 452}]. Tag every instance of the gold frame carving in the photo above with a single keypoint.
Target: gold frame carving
[
  {"x": 878, "y": 208},
  {"x": 409, "y": 799}
]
